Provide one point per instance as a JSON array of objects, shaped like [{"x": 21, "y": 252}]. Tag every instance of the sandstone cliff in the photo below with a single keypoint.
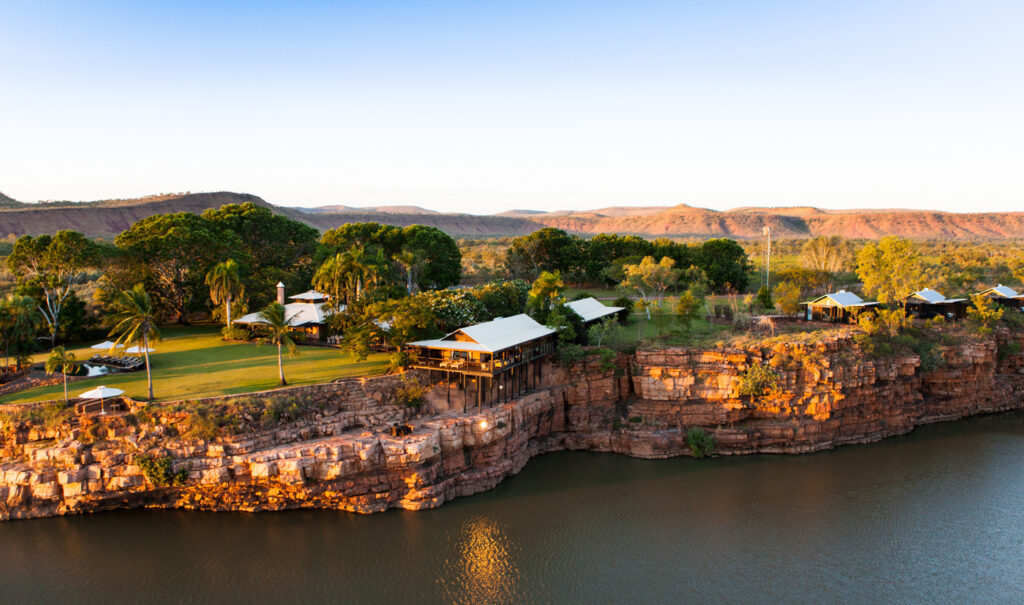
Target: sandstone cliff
[{"x": 332, "y": 450}]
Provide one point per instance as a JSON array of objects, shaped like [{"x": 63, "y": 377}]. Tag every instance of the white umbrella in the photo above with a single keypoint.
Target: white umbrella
[
  {"x": 108, "y": 344},
  {"x": 101, "y": 393},
  {"x": 137, "y": 349}
]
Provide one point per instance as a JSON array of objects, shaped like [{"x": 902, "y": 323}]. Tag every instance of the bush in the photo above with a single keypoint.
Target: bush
[
  {"x": 570, "y": 354},
  {"x": 758, "y": 380},
  {"x": 159, "y": 471},
  {"x": 627, "y": 307},
  {"x": 700, "y": 443},
  {"x": 411, "y": 393},
  {"x": 607, "y": 360},
  {"x": 764, "y": 299},
  {"x": 931, "y": 359},
  {"x": 399, "y": 360},
  {"x": 1009, "y": 349},
  {"x": 235, "y": 333}
]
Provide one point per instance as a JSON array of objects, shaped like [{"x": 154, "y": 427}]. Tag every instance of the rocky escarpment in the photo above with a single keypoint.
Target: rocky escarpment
[{"x": 330, "y": 447}]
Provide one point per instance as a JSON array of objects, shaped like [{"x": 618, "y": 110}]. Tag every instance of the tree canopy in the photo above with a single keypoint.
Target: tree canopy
[
  {"x": 891, "y": 269},
  {"x": 172, "y": 253}
]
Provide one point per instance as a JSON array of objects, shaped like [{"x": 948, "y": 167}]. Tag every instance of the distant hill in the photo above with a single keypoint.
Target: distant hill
[{"x": 107, "y": 218}]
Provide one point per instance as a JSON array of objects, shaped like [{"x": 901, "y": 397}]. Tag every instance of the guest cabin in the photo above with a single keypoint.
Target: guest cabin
[
  {"x": 592, "y": 310},
  {"x": 838, "y": 307},
  {"x": 1006, "y": 296},
  {"x": 307, "y": 314},
  {"x": 496, "y": 360},
  {"x": 927, "y": 303}
]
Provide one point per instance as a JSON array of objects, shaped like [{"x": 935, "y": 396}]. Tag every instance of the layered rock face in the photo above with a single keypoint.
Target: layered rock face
[{"x": 338, "y": 453}]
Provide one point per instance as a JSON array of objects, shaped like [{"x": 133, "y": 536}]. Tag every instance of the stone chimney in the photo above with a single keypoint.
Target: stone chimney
[{"x": 280, "y": 292}]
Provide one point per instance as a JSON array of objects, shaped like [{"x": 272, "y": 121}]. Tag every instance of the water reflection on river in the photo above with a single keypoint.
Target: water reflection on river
[{"x": 937, "y": 516}]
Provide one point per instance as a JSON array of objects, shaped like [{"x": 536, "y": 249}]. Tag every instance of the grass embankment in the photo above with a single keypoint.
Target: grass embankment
[{"x": 193, "y": 362}]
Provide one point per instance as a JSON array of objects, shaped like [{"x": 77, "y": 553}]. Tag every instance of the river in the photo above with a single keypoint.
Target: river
[{"x": 933, "y": 517}]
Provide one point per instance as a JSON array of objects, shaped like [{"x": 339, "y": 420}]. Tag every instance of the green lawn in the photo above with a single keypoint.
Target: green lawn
[{"x": 193, "y": 362}]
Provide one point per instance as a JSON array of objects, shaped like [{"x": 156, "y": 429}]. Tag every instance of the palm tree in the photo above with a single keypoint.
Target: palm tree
[
  {"x": 279, "y": 330},
  {"x": 409, "y": 262},
  {"x": 61, "y": 361},
  {"x": 136, "y": 324},
  {"x": 225, "y": 286},
  {"x": 332, "y": 278},
  {"x": 19, "y": 321}
]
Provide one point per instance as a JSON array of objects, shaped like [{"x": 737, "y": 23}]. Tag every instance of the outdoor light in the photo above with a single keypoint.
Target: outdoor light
[{"x": 483, "y": 424}]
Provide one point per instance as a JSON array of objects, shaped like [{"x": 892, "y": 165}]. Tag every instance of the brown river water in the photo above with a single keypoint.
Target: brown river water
[{"x": 933, "y": 517}]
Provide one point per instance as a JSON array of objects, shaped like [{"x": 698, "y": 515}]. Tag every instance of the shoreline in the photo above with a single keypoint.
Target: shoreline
[{"x": 335, "y": 455}]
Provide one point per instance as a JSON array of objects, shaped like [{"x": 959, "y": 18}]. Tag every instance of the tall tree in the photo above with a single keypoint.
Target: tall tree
[
  {"x": 225, "y": 284},
  {"x": 438, "y": 255},
  {"x": 278, "y": 332},
  {"x": 891, "y": 269},
  {"x": 546, "y": 249},
  {"x": 829, "y": 254},
  {"x": 545, "y": 294},
  {"x": 53, "y": 265},
  {"x": 61, "y": 361},
  {"x": 135, "y": 324},
  {"x": 173, "y": 252},
  {"x": 650, "y": 279},
  {"x": 271, "y": 248},
  {"x": 725, "y": 263}
]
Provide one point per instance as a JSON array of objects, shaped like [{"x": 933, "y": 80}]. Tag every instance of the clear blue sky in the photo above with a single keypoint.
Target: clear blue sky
[{"x": 486, "y": 106}]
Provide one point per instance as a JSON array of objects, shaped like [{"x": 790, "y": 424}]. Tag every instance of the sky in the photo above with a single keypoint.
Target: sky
[{"x": 482, "y": 107}]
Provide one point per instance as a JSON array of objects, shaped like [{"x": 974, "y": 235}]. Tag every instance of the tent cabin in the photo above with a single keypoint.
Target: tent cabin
[
  {"x": 928, "y": 303},
  {"x": 307, "y": 314},
  {"x": 493, "y": 356},
  {"x": 841, "y": 306},
  {"x": 1005, "y": 296},
  {"x": 592, "y": 310}
]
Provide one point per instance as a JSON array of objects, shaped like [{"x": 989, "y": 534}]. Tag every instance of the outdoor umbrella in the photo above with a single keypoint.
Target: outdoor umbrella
[
  {"x": 107, "y": 344},
  {"x": 101, "y": 393}
]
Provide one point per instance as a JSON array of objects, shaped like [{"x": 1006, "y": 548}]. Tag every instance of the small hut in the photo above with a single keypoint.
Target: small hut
[
  {"x": 928, "y": 303},
  {"x": 837, "y": 307},
  {"x": 307, "y": 314},
  {"x": 1006, "y": 296}
]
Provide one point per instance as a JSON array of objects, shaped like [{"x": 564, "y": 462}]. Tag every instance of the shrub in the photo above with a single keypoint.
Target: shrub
[
  {"x": 931, "y": 359},
  {"x": 627, "y": 307},
  {"x": 411, "y": 393},
  {"x": 1009, "y": 349},
  {"x": 399, "y": 360},
  {"x": 159, "y": 471},
  {"x": 758, "y": 380},
  {"x": 235, "y": 333},
  {"x": 570, "y": 354},
  {"x": 700, "y": 443},
  {"x": 983, "y": 313},
  {"x": 764, "y": 298},
  {"x": 607, "y": 360},
  {"x": 636, "y": 419}
]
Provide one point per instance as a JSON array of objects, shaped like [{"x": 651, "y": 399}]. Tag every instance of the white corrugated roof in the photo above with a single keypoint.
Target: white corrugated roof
[
  {"x": 929, "y": 295},
  {"x": 492, "y": 336},
  {"x": 1004, "y": 291},
  {"x": 591, "y": 308},
  {"x": 310, "y": 295},
  {"x": 843, "y": 299},
  {"x": 297, "y": 314}
]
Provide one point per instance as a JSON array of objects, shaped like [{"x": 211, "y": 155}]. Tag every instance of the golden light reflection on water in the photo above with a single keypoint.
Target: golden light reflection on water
[{"x": 485, "y": 571}]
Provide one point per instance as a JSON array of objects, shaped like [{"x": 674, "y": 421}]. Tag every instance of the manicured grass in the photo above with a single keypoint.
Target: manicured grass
[
  {"x": 605, "y": 293},
  {"x": 193, "y": 362}
]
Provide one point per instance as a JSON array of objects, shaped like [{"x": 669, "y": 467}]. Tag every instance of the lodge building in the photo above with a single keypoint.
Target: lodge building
[{"x": 497, "y": 359}]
